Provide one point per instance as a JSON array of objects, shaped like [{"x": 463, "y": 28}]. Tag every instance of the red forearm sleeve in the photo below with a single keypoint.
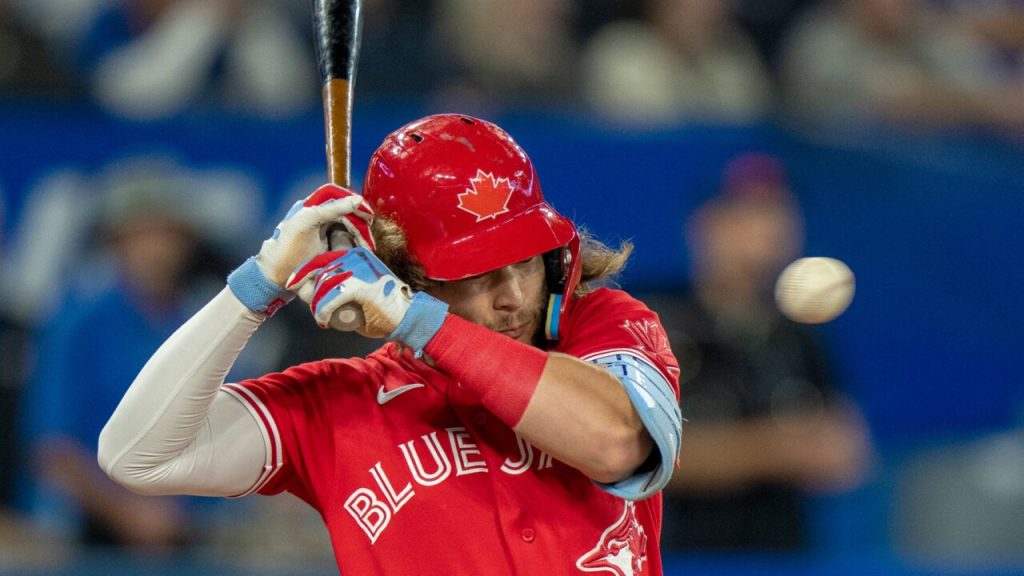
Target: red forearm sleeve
[{"x": 499, "y": 371}]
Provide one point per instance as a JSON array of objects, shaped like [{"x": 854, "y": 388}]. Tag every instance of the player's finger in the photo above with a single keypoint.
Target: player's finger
[
  {"x": 304, "y": 290},
  {"x": 335, "y": 209},
  {"x": 336, "y": 204},
  {"x": 326, "y": 193},
  {"x": 364, "y": 210},
  {"x": 298, "y": 205},
  {"x": 327, "y": 295},
  {"x": 360, "y": 231},
  {"x": 313, "y": 266}
]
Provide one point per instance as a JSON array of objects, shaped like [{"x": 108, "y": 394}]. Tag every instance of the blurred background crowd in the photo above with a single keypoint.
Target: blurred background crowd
[
  {"x": 922, "y": 63},
  {"x": 149, "y": 145}
]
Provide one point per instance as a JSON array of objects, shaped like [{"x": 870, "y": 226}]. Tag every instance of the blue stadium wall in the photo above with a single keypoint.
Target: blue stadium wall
[{"x": 933, "y": 342}]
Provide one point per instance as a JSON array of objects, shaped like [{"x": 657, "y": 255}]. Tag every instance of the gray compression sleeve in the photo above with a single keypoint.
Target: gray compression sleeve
[{"x": 175, "y": 431}]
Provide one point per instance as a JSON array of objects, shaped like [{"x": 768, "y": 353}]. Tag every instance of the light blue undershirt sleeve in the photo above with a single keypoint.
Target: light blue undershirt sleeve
[{"x": 656, "y": 404}]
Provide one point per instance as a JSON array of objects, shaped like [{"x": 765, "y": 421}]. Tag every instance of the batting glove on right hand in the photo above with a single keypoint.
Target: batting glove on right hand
[
  {"x": 305, "y": 232},
  {"x": 390, "y": 308}
]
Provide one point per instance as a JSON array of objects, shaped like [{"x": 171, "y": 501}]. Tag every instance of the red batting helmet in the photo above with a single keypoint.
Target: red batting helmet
[{"x": 468, "y": 199}]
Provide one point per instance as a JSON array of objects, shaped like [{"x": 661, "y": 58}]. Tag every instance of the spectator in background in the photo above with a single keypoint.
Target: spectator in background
[
  {"x": 507, "y": 53},
  {"x": 685, "y": 61},
  {"x": 592, "y": 15},
  {"x": 29, "y": 67},
  {"x": 768, "y": 23},
  {"x": 893, "y": 62},
  {"x": 765, "y": 424},
  {"x": 998, "y": 24},
  {"x": 154, "y": 58},
  {"x": 159, "y": 254},
  {"x": 14, "y": 344},
  {"x": 20, "y": 544},
  {"x": 89, "y": 351},
  {"x": 398, "y": 55},
  {"x": 15, "y": 347}
]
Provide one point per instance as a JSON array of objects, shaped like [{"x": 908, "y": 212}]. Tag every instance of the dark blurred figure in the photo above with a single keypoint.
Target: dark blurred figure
[
  {"x": 592, "y": 15},
  {"x": 765, "y": 423},
  {"x": 156, "y": 58},
  {"x": 29, "y": 66},
  {"x": 14, "y": 344},
  {"x": 681, "y": 61},
  {"x": 90, "y": 348},
  {"x": 15, "y": 348},
  {"x": 20, "y": 544},
  {"x": 768, "y": 22},
  {"x": 398, "y": 55}
]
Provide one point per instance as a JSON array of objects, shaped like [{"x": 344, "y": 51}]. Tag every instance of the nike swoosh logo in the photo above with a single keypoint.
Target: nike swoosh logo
[{"x": 385, "y": 396}]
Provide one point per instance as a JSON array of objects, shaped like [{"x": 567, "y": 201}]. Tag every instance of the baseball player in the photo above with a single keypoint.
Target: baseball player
[{"x": 518, "y": 421}]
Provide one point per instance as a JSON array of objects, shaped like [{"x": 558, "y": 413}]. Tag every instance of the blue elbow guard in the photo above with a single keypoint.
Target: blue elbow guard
[{"x": 657, "y": 407}]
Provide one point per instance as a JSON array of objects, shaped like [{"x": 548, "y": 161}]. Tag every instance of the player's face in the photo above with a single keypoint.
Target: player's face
[{"x": 508, "y": 300}]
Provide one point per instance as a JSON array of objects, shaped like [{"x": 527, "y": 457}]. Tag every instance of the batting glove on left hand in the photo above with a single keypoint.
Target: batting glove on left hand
[
  {"x": 304, "y": 232},
  {"x": 390, "y": 308}
]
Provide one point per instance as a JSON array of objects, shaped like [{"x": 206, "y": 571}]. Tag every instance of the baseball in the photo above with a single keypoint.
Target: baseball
[{"x": 814, "y": 290}]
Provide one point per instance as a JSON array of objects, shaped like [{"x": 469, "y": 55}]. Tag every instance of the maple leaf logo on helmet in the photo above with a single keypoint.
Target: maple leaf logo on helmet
[{"x": 488, "y": 196}]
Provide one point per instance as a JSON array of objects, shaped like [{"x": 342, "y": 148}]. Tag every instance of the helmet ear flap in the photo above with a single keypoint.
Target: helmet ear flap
[
  {"x": 562, "y": 269},
  {"x": 556, "y": 269}
]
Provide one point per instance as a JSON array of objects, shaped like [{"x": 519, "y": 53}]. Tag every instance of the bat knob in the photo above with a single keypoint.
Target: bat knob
[{"x": 348, "y": 318}]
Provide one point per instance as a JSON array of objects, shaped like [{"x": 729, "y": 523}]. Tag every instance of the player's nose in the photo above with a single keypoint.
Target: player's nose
[{"x": 508, "y": 289}]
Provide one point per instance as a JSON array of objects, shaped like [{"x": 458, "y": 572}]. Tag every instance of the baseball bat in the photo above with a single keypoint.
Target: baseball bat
[{"x": 337, "y": 29}]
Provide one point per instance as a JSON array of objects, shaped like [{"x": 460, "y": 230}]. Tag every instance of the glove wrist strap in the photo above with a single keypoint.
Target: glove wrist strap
[
  {"x": 254, "y": 290},
  {"x": 421, "y": 322}
]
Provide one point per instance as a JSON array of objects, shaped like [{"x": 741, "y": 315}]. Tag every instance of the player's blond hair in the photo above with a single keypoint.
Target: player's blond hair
[{"x": 601, "y": 263}]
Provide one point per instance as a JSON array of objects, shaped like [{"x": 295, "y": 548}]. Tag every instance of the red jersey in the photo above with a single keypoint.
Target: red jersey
[{"x": 409, "y": 481}]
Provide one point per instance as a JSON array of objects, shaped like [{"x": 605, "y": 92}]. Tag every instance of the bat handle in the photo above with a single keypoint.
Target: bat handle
[{"x": 350, "y": 316}]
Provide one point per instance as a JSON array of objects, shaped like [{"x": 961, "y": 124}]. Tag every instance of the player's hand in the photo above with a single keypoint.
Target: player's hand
[
  {"x": 303, "y": 233},
  {"x": 390, "y": 308},
  {"x": 329, "y": 214}
]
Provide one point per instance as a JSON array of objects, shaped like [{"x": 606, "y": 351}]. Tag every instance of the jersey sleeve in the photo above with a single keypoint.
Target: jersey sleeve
[
  {"x": 296, "y": 415},
  {"x": 611, "y": 329},
  {"x": 608, "y": 321}
]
